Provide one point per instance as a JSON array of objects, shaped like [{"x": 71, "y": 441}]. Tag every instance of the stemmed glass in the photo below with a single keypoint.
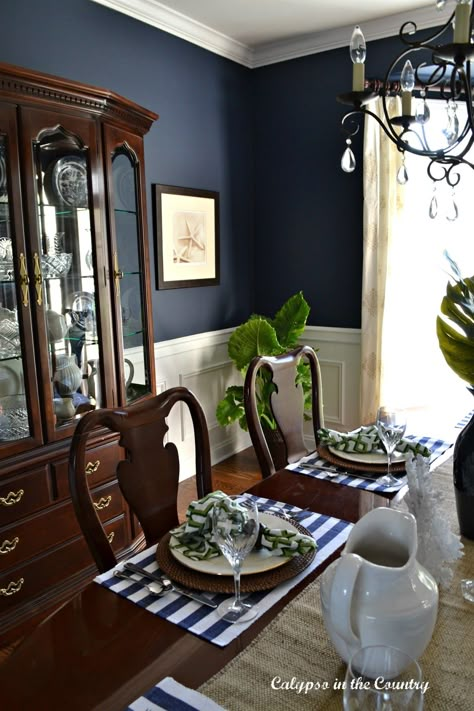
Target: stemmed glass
[
  {"x": 391, "y": 426},
  {"x": 235, "y": 529},
  {"x": 381, "y": 678}
]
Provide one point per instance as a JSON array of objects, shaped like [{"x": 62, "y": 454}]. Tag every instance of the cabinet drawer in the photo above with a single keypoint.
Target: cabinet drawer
[
  {"x": 24, "y": 582},
  {"x": 102, "y": 464},
  {"x": 32, "y": 536},
  {"x": 24, "y": 494}
]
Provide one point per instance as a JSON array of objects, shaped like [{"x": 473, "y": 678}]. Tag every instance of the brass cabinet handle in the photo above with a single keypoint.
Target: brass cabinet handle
[
  {"x": 118, "y": 273},
  {"x": 38, "y": 279},
  {"x": 92, "y": 467},
  {"x": 11, "y": 498},
  {"x": 12, "y": 588},
  {"x": 24, "y": 281},
  {"x": 111, "y": 536},
  {"x": 103, "y": 502},
  {"x": 9, "y": 546}
]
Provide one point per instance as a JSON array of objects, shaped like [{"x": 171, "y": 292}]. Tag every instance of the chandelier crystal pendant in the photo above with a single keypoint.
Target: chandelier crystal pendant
[{"x": 443, "y": 72}]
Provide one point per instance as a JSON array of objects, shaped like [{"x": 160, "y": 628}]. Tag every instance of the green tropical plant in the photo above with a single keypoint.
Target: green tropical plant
[
  {"x": 261, "y": 335},
  {"x": 455, "y": 325}
]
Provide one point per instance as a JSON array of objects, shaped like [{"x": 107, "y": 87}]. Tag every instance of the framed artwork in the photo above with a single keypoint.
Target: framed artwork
[{"x": 187, "y": 237}]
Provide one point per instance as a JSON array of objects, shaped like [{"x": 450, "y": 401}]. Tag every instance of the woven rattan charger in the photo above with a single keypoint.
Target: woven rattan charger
[
  {"x": 349, "y": 465},
  {"x": 225, "y": 584}
]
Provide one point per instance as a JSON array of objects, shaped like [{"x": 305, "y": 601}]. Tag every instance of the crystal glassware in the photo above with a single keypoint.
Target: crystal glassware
[
  {"x": 55, "y": 265},
  {"x": 380, "y": 677},
  {"x": 391, "y": 426},
  {"x": 467, "y": 589},
  {"x": 235, "y": 530}
]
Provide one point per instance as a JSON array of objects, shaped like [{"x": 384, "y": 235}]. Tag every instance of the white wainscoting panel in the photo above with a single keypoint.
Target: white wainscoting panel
[
  {"x": 338, "y": 351},
  {"x": 201, "y": 363}
]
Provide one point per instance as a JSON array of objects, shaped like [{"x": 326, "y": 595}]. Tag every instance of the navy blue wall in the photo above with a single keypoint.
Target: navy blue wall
[
  {"x": 309, "y": 213},
  {"x": 268, "y": 140},
  {"x": 203, "y": 139},
  {"x": 308, "y": 228}
]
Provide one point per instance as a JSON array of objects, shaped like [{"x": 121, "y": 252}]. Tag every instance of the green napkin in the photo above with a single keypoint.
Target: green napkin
[
  {"x": 195, "y": 539},
  {"x": 366, "y": 439}
]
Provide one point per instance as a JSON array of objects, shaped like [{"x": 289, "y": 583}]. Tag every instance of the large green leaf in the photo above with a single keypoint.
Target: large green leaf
[
  {"x": 458, "y": 305},
  {"x": 260, "y": 335},
  {"x": 455, "y": 324},
  {"x": 457, "y": 349},
  {"x": 290, "y": 320},
  {"x": 303, "y": 376},
  {"x": 253, "y": 338},
  {"x": 231, "y": 407}
]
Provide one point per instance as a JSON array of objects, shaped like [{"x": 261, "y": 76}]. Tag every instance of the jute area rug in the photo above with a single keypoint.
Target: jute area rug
[{"x": 276, "y": 671}]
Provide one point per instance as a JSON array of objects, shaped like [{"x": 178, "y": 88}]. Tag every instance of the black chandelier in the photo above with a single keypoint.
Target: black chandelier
[{"x": 446, "y": 74}]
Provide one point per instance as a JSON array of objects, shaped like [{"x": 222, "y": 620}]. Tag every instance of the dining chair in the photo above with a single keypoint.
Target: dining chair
[
  {"x": 148, "y": 476},
  {"x": 277, "y": 448}
]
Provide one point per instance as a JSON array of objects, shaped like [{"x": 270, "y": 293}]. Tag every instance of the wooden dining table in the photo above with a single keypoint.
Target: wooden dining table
[{"x": 101, "y": 651}]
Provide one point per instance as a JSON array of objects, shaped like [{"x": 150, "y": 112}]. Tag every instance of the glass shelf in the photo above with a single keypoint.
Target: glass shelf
[
  {"x": 5, "y": 358},
  {"x": 69, "y": 211},
  {"x": 68, "y": 277},
  {"x": 127, "y": 212},
  {"x": 88, "y": 341},
  {"x": 132, "y": 333}
]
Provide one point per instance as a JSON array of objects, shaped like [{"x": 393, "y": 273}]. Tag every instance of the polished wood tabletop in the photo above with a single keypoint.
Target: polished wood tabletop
[{"x": 101, "y": 651}]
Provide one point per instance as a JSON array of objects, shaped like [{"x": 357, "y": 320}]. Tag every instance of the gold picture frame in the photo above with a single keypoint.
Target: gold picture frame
[{"x": 186, "y": 237}]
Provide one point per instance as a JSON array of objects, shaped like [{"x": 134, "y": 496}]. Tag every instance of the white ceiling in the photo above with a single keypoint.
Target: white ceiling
[
  {"x": 258, "y": 32},
  {"x": 256, "y": 22}
]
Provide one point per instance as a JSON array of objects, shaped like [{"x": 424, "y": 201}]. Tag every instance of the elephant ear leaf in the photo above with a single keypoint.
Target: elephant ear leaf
[
  {"x": 290, "y": 320},
  {"x": 231, "y": 408},
  {"x": 253, "y": 338},
  {"x": 455, "y": 327}
]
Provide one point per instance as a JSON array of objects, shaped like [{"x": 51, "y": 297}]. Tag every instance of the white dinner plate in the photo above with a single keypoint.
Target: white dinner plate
[
  {"x": 9, "y": 381},
  {"x": 369, "y": 457},
  {"x": 255, "y": 562}
]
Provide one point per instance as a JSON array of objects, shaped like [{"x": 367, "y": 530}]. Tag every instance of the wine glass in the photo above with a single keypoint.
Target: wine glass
[
  {"x": 391, "y": 425},
  {"x": 235, "y": 530},
  {"x": 380, "y": 677}
]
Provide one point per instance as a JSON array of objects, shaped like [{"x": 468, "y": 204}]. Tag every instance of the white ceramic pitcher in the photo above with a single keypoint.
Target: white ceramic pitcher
[{"x": 377, "y": 592}]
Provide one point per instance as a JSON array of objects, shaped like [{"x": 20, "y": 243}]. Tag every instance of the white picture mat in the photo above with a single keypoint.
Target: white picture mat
[{"x": 174, "y": 208}]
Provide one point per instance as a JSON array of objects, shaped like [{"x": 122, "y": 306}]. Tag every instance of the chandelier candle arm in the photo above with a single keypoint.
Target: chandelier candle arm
[
  {"x": 357, "y": 51},
  {"x": 407, "y": 81},
  {"x": 462, "y": 22},
  {"x": 447, "y": 74}
]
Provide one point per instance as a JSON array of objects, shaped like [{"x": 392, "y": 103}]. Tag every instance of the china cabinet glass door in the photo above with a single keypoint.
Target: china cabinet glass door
[
  {"x": 14, "y": 420},
  {"x": 129, "y": 274},
  {"x": 65, "y": 274}
]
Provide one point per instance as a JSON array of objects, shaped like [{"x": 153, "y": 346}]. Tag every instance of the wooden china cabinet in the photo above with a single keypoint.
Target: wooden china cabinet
[{"x": 75, "y": 321}]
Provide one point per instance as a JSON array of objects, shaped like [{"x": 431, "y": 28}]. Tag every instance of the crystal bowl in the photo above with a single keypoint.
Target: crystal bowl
[
  {"x": 56, "y": 265},
  {"x": 13, "y": 418},
  {"x": 9, "y": 337}
]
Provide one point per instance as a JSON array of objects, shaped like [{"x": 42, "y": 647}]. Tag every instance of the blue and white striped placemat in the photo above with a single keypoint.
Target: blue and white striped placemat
[
  {"x": 169, "y": 695},
  {"x": 463, "y": 421},
  {"x": 438, "y": 448},
  {"x": 203, "y": 621}
]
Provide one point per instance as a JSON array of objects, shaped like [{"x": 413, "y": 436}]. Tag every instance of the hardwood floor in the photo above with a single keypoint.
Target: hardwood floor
[{"x": 232, "y": 476}]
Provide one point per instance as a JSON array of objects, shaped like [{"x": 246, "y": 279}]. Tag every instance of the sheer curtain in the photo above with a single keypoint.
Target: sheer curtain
[
  {"x": 382, "y": 206},
  {"x": 404, "y": 279}
]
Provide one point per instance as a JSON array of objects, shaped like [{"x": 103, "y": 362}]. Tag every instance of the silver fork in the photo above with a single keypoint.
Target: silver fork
[
  {"x": 321, "y": 468},
  {"x": 158, "y": 576},
  {"x": 164, "y": 584},
  {"x": 157, "y": 588}
]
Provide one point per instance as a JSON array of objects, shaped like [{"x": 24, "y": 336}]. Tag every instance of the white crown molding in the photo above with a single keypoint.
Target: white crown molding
[
  {"x": 333, "y": 39},
  {"x": 175, "y": 23},
  {"x": 158, "y": 15}
]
